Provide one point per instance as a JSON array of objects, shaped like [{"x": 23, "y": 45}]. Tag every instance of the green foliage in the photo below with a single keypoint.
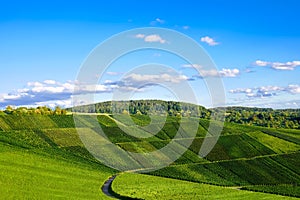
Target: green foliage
[
  {"x": 41, "y": 110},
  {"x": 267, "y": 117},
  {"x": 145, "y": 107}
]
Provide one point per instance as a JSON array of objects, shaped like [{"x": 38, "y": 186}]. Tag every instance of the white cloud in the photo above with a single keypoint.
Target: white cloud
[
  {"x": 241, "y": 90},
  {"x": 154, "y": 38},
  {"x": 250, "y": 94},
  {"x": 270, "y": 88},
  {"x": 261, "y": 63},
  {"x": 196, "y": 66},
  {"x": 267, "y": 91},
  {"x": 11, "y": 96},
  {"x": 161, "y": 78},
  {"x": 49, "y": 91},
  {"x": 68, "y": 86},
  {"x": 212, "y": 72},
  {"x": 52, "y": 104},
  {"x": 229, "y": 72},
  {"x": 185, "y": 27},
  {"x": 160, "y": 20},
  {"x": 291, "y": 65},
  {"x": 209, "y": 73},
  {"x": 50, "y": 82},
  {"x": 113, "y": 73},
  {"x": 210, "y": 41},
  {"x": 248, "y": 70},
  {"x": 34, "y": 84},
  {"x": 151, "y": 38},
  {"x": 54, "y": 90},
  {"x": 91, "y": 88},
  {"x": 157, "y": 21},
  {"x": 286, "y": 66},
  {"x": 139, "y": 36},
  {"x": 294, "y": 89}
]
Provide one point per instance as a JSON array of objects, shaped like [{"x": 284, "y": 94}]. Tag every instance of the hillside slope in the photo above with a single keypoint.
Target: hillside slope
[{"x": 42, "y": 156}]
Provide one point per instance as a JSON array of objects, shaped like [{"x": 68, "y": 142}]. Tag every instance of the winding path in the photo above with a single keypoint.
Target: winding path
[
  {"x": 107, "y": 190},
  {"x": 106, "y": 187}
]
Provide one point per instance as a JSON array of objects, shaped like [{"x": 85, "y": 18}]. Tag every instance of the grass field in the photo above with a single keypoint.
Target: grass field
[
  {"x": 47, "y": 163},
  {"x": 38, "y": 175},
  {"x": 151, "y": 187},
  {"x": 42, "y": 157}
]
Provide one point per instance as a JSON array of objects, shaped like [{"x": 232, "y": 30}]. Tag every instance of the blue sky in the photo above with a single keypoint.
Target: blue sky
[{"x": 254, "y": 44}]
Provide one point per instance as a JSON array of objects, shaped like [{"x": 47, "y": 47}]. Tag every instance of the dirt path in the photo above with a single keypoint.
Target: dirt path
[{"x": 106, "y": 188}]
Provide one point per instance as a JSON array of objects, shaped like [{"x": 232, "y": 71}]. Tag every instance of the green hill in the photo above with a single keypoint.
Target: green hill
[
  {"x": 35, "y": 164},
  {"x": 266, "y": 117},
  {"x": 42, "y": 156}
]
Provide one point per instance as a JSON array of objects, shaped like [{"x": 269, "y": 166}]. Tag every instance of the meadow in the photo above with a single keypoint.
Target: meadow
[
  {"x": 42, "y": 156},
  {"x": 151, "y": 187}
]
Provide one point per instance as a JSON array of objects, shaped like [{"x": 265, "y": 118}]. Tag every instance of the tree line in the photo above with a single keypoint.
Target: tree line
[
  {"x": 40, "y": 110},
  {"x": 267, "y": 117},
  {"x": 145, "y": 107}
]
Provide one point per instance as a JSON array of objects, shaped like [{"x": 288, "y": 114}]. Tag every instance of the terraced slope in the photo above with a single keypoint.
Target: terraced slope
[
  {"x": 259, "y": 159},
  {"x": 43, "y": 156}
]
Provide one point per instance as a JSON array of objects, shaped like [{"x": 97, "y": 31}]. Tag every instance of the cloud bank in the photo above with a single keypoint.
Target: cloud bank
[
  {"x": 289, "y": 66},
  {"x": 266, "y": 91}
]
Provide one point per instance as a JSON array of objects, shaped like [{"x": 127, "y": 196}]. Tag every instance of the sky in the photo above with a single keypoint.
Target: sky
[{"x": 254, "y": 45}]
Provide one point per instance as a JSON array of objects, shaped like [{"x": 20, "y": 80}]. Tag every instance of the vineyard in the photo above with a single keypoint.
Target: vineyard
[{"x": 247, "y": 160}]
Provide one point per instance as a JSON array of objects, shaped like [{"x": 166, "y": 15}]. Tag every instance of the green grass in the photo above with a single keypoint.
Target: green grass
[
  {"x": 23, "y": 138},
  {"x": 25, "y": 174},
  {"x": 47, "y": 163},
  {"x": 151, "y": 187},
  {"x": 42, "y": 157}
]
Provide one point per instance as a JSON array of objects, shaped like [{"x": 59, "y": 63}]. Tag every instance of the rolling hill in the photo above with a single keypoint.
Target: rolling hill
[{"x": 42, "y": 156}]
